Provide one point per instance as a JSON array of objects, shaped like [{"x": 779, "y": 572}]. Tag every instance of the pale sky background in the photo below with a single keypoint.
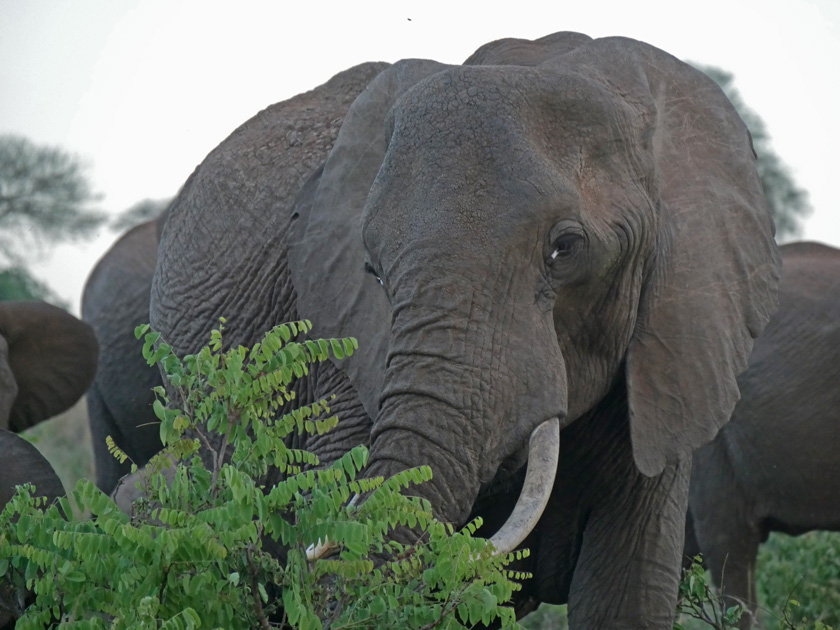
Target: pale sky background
[{"x": 144, "y": 89}]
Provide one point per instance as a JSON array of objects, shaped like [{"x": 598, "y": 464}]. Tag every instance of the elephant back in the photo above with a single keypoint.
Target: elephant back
[{"x": 222, "y": 252}]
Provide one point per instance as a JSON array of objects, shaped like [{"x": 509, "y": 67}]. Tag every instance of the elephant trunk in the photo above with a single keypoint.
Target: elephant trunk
[{"x": 467, "y": 382}]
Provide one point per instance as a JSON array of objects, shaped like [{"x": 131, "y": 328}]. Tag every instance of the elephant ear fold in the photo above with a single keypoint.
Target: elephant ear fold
[
  {"x": 326, "y": 252},
  {"x": 22, "y": 463},
  {"x": 52, "y": 356},
  {"x": 711, "y": 287}
]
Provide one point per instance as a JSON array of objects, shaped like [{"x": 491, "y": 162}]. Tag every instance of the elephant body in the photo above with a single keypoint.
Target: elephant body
[
  {"x": 774, "y": 467},
  {"x": 566, "y": 232},
  {"x": 114, "y": 302}
]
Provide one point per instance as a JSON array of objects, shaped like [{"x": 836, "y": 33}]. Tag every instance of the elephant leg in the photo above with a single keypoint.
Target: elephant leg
[
  {"x": 102, "y": 424},
  {"x": 692, "y": 548},
  {"x": 628, "y": 570},
  {"x": 730, "y": 551},
  {"x": 725, "y": 526}
]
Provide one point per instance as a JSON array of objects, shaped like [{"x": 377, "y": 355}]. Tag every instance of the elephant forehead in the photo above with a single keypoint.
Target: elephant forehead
[
  {"x": 492, "y": 109},
  {"x": 507, "y": 142}
]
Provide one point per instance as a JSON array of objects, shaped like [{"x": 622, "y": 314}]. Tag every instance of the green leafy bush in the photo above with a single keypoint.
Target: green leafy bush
[
  {"x": 699, "y": 607},
  {"x": 191, "y": 554},
  {"x": 805, "y": 569}
]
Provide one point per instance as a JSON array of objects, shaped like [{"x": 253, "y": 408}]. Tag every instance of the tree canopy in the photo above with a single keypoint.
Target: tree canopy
[
  {"x": 45, "y": 196},
  {"x": 16, "y": 283}
]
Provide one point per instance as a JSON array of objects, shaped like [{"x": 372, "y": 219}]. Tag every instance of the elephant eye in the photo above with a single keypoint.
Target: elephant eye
[
  {"x": 565, "y": 246},
  {"x": 369, "y": 269}
]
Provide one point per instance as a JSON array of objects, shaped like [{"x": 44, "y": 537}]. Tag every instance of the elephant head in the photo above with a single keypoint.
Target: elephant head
[
  {"x": 47, "y": 361},
  {"x": 579, "y": 216}
]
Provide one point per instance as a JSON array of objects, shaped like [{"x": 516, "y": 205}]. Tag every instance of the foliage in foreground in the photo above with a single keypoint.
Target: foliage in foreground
[{"x": 202, "y": 529}]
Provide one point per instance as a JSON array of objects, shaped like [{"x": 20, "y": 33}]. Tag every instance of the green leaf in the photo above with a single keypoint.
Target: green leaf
[{"x": 338, "y": 351}]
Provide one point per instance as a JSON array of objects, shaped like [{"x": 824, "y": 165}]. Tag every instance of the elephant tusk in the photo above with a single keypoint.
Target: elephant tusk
[
  {"x": 543, "y": 455},
  {"x": 318, "y": 550}
]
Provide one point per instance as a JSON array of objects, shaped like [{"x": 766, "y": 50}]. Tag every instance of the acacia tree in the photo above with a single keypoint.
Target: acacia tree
[
  {"x": 788, "y": 202},
  {"x": 45, "y": 197}
]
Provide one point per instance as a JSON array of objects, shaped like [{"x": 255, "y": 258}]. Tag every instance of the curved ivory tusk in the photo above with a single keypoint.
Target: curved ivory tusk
[
  {"x": 318, "y": 550},
  {"x": 543, "y": 455}
]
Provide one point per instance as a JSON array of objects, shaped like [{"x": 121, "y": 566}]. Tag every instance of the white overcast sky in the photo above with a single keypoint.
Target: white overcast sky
[{"x": 143, "y": 89}]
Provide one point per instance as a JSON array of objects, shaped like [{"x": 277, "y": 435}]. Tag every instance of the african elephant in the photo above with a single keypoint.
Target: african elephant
[
  {"x": 774, "y": 467},
  {"x": 114, "y": 302},
  {"x": 47, "y": 361},
  {"x": 565, "y": 235},
  {"x": 22, "y": 463}
]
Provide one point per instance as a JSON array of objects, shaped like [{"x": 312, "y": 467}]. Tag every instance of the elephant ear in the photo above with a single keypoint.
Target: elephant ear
[
  {"x": 22, "y": 463},
  {"x": 52, "y": 357},
  {"x": 326, "y": 254},
  {"x": 711, "y": 286}
]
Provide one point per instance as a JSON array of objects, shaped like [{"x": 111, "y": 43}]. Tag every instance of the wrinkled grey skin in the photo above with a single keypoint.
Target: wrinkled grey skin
[
  {"x": 567, "y": 227},
  {"x": 47, "y": 361},
  {"x": 115, "y": 301},
  {"x": 774, "y": 467}
]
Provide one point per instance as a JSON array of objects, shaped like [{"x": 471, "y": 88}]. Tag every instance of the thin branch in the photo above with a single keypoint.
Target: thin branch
[{"x": 255, "y": 591}]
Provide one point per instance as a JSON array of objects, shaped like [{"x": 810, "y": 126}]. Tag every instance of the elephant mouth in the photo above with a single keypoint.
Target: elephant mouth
[{"x": 543, "y": 457}]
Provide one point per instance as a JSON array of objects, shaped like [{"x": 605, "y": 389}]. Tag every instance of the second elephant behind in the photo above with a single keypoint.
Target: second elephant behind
[
  {"x": 114, "y": 302},
  {"x": 776, "y": 466}
]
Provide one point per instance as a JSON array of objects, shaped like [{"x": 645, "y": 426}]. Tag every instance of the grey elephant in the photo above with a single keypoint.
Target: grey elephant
[
  {"x": 116, "y": 300},
  {"x": 774, "y": 467},
  {"x": 22, "y": 463},
  {"x": 47, "y": 361},
  {"x": 563, "y": 238}
]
